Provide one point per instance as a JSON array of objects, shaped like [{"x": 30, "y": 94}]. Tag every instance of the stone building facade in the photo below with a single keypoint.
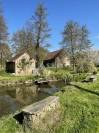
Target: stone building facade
[
  {"x": 21, "y": 64},
  {"x": 56, "y": 59}
]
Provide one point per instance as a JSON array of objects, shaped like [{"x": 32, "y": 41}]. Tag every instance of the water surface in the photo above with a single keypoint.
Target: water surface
[{"x": 14, "y": 98}]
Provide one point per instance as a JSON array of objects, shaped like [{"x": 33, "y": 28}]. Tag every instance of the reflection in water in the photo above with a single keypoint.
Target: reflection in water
[
  {"x": 14, "y": 98},
  {"x": 7, "y": 105},
  {"x": 29, "y": 94}
]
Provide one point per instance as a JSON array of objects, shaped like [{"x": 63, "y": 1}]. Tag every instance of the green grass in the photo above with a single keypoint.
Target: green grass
[
  {"x": 7, "y": 76},
  {"x": 80, "y": 111},
  {"x": 9, "y": 125}
]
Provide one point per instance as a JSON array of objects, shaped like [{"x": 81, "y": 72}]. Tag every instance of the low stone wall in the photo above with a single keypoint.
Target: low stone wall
[
  {"x": 14, "y": 83},
  {"x": 34, "y": 114}
]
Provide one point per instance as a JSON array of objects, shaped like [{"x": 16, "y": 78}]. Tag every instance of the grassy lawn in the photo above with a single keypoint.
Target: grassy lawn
[{"x": 80, "y": 111}]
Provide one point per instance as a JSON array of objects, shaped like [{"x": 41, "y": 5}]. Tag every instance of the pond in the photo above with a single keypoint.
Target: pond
[{"x": 14, "y": 98}]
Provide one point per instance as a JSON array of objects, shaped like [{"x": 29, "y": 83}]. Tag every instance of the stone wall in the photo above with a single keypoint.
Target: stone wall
[
  {"x": 62, "y": 62},
  {"x": 28, "y": 68},
  {"x": 34, "y": 115},
  {"x": 14, "y": 82}
]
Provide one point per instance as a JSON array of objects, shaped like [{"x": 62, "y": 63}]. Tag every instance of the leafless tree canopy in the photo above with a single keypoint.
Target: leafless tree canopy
[{"x": 75, "y": 40}]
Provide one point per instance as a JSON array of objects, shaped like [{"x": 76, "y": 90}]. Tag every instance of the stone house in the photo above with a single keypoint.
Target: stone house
[
  {"x": 56, "y": 59},
  {"x": 21, "y": 64}
]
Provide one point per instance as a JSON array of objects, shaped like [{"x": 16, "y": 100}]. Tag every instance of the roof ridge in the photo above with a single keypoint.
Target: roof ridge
[
  {"x": 53, "y": 54},
  {"x": 18, "y": 55},
  {"x": 55, "y": 51}
]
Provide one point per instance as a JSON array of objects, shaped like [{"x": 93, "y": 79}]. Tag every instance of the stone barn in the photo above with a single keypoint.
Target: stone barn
[
  {"x": 56, "y": 59},
  {"x": 21, "y": 64}
]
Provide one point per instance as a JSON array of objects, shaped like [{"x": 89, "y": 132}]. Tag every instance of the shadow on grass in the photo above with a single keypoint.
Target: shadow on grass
[{"x": 86, "y": 90}]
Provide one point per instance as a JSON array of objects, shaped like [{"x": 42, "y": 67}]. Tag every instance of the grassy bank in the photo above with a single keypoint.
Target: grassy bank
[
  {"x": 7, "y": 76},
  {"x": 80, "y": 109}
]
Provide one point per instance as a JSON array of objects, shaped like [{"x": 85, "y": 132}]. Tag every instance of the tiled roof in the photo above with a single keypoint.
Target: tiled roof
[
  {"x": 52, "y": 55},
  {"x": 17, "y": 56}
]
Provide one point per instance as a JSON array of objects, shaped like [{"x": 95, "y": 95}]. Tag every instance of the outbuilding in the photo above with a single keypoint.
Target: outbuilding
[
  {"x": 56, "y": 59},
  {"x": 21, "y": 64}
]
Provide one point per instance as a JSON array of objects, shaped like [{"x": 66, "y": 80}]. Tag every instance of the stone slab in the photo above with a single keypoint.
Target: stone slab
[{"x": 39, "y": 106}]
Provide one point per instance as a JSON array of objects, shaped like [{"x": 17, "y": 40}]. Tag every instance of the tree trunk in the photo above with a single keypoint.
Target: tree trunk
[
  {"x": 1, "y": 61},
  {"x": 73, "y": 63},
  {"x": 37, "y": 56}
]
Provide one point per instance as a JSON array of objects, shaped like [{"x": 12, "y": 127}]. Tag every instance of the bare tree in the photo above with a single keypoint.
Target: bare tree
[
  {"x": 84, "y": 42},
  {"x": 22, "y": 40},
  {"x": 4, "y": 48},
  {"x": 70, "y": 39},
  {"x": 40, "y": 30},
  {"x": 75, "y": 40}
]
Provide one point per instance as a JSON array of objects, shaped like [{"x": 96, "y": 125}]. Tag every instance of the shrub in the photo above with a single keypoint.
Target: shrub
[
  {"x": 63, "y": 75},
  {"x": 79, "y": 77},
  {"x": 85, "y": 67},
  {"x": 67, "y": 77},
  {"x": 46, "y": 73}
]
